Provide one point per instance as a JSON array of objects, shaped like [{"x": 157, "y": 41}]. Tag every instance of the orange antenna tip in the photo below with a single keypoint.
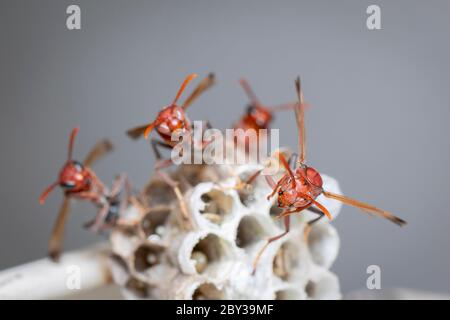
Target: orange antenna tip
[
  {"x": 47, "y": 191},
  {"x": 148, "y": 130},
  {"x": 73, "y": 135},
  {"x": 188, "y": 79}
]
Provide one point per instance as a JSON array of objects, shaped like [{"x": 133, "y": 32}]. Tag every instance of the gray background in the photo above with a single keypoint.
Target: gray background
[{"x": 379, "y": 122}]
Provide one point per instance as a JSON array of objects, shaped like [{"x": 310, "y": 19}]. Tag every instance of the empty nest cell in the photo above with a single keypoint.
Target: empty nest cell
[
  {"x": 208, "y": 291},
  {"x": 287, "y": 294},
  {"x": 323, "y": 245},
  {"x": 326, "y": 287},
  {"x": 249, "y": 232},
  {"x": 275, "y": 211},
  {"x": 137, "y": 288},
  {"x": 191, "y": 175},
  {"x": 159, "y": 192}
]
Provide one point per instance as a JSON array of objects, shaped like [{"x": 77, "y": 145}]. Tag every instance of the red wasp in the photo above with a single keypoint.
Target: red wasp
[
  {"x": 258, "y": 116},
  {"x": 298, "y": 188},
  {"x": 77, "y": 180},
  {"x": 169, "y": 120}
]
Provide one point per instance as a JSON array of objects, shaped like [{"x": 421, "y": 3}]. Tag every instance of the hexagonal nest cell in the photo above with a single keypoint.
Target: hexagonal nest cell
[
  {"x": 275, "y": 211},
  {"x": 154, "y": 220},
  {"x": 246, "y": 192},
  {"x": 326, "y": 287},
  {"x": 193, "y": 174},
  {"x": 211, "y": 254},
  {"x": 250, "y": 231},
  {"x": 217, "y": 206},
  {"x": 287, "y": 294},
  {"x": 285, "y": 259},
  {"x": 208, "y": 291},
  {"x": 147, "y": 256},
  {"x": 137, "y": 288},
  {"x": 159, "y": 192},
  {"x": 323, "y": 245},
  {"x": 210, "y": 251}
]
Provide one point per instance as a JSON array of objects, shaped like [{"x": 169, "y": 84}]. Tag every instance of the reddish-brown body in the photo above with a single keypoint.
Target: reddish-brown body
[
  {"x": 307, "y": 181},
  {"x": 75, "y": 178},
  {"x": 257, "y": 115},
  {"x": 172, "y": 119},
  {"x": 299, "y": 188},
  {"x": 256, "y": 118},
  {"x": 169, "y": 120}
]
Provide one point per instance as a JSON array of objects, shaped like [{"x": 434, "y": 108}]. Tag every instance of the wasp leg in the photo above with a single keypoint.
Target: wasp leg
[
  {"x": 101, "y": 216},
  {"x": 311, "y": 223},
  {"x": 287, "y": 223},
  {"x": 96, "y": 224},
  {"x": 166, "y": 178},
  {"x": 118, "y": 185},
  {"x": 56, "y": 239},
  {"x": 157, "y": 143}
]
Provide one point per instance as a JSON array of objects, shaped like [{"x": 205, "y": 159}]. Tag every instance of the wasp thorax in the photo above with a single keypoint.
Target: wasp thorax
[
  {"x": 314, "y": 177},
  {"x": 260, "y": 115}
]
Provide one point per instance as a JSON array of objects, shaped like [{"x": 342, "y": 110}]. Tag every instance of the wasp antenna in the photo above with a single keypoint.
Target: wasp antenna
[
  {"x": 188, "y": 79},
  {"x": 149, "y": 129},
  {"x": 204, "y": 85},
  {"x": 47, "y": 191},
  {"x": 285, "y": 164},
  {"x": 300, "y": 116},
  {"x": 365, "y": 207},
  {"x": 73, "y": 135},
  {"x": 248, "y": 91}
]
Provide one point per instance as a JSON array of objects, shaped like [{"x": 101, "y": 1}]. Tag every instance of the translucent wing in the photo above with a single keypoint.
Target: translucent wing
[
  {"x": 100, "y": 149},
  {"x": 137, "y": 132},
  {"x": 56, "y": 239},
  {"x": 204, "y": 85}
]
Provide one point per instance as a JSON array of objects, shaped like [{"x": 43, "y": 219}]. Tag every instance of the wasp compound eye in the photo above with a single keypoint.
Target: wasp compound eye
[
  {"x": 67, "y": 184},
  {"x": 250, "y": 109}
]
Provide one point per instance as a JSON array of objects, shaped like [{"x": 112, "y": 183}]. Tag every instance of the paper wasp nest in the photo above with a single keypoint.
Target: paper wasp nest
[{"x": 210, "y": 257}]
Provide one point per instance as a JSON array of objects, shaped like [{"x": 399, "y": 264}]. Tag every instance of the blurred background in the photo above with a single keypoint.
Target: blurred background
[{"x": 379, "y": 121}]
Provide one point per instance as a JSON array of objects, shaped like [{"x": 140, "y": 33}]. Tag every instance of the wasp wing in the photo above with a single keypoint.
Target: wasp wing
[
  {"x": 204, "y": 85},
  {"x": 56, "y": 239},
  {"x": 100, "y": 149}
]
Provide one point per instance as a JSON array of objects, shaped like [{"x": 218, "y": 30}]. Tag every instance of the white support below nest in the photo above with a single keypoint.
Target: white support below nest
[{"x": 44, "y": 279}]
